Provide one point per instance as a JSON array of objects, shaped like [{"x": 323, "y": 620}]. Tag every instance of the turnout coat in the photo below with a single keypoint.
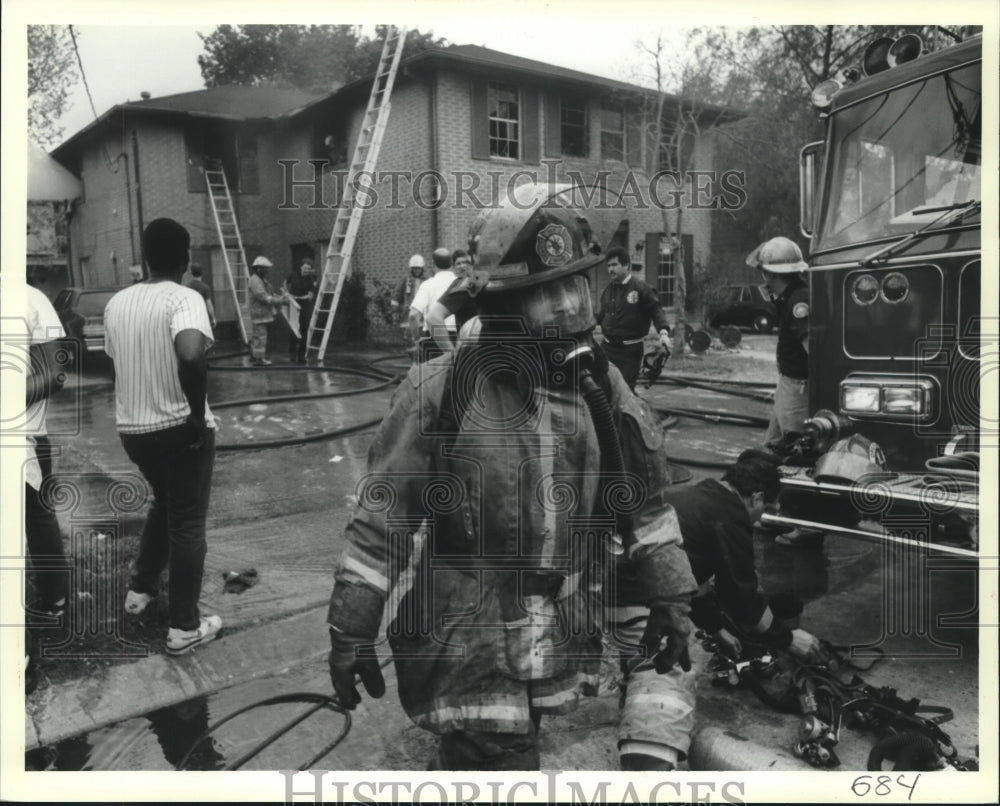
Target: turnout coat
[{"x": 477, "y": 522}]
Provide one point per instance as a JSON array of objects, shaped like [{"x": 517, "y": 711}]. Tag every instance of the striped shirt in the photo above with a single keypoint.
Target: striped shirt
[{"x": 141, "y": 323}]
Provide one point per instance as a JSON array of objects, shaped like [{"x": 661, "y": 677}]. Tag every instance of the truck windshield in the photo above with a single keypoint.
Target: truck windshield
[{"x": 903, "y": 158}]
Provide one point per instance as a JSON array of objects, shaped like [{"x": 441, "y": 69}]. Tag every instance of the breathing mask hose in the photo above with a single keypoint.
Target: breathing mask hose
[{"x": 612, "y": 459}]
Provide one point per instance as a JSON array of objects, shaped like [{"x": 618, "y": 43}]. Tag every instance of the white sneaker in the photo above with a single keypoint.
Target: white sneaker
[
  {"x": 181, "y": 641},
  {"x": 136, "y": 602}
]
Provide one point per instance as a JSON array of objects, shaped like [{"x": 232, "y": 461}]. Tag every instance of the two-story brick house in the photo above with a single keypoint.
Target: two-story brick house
[{"x": 465, "y": 121}]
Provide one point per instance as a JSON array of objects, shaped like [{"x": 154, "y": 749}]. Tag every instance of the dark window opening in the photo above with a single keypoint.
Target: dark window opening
[
  {"x": 612, "y": 134},
  {"x": 504, "y": 121},
  {"x": 573, "y": 127},
  {"x": 220, "y": 146}
]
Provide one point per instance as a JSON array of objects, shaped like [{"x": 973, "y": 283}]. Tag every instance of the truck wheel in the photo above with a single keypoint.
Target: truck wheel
[{"x": 762, "y": 323}]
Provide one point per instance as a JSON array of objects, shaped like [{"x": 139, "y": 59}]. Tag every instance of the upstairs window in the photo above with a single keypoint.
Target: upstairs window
[
  {"x": 612, "y": 134},
  {"x": 505, "y": 121},
  {"x": 573, "y": 127}
]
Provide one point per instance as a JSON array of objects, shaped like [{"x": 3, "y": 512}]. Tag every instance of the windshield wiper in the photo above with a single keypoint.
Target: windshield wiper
[{"x": 951, "y": 214}]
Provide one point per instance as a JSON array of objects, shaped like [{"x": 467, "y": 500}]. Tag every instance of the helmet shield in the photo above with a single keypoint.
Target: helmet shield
[
  {"x": 558, "y": 308},
  {"x": 542, "y": 232}
]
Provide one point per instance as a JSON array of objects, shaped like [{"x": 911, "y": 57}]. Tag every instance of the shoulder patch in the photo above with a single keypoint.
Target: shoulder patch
[{"x": 800, "y": 310}]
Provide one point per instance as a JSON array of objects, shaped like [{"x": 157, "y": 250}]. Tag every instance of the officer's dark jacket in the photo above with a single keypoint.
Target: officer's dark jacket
[
  {"x": 627, "y": 309},
  {"x": 793, "y": 326}
]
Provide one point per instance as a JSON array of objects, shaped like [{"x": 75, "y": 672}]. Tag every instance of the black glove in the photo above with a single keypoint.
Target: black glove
[
  {"x": 666, "y": 635},
  {"x": 347, "y": 659},
  {"x": 354, "y": 618}
]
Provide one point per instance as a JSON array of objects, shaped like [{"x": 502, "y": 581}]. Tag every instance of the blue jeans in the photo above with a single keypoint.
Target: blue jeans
[{"x": 174, "y": 535}]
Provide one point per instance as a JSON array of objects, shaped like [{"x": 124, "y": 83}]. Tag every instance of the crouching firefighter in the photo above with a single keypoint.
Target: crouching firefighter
[{"x": 519, "y": 483}]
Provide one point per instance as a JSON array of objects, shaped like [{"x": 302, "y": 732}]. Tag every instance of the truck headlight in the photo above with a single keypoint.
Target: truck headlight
[
  {"x": 904, "y": 400},
  {"x": 864, "y": 289},
  {"x": 859, "y": 398},
  {"x": 888, "y": 396},
  {"x": 895, "y": 288}
]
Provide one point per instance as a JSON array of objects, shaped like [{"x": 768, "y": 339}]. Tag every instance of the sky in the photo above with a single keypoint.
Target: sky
[
  {"x": 118, "y": 66},
  {"x": 129, "y": 48}
]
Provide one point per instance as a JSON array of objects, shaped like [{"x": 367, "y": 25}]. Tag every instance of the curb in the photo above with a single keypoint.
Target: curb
[{"x": 157, "y": 681}]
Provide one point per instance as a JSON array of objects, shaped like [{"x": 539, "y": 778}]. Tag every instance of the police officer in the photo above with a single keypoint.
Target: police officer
[
  {"x": 519, "y": 478},
  {"x": 781, "y": 265},
  {"x": 628, "y": 306}
]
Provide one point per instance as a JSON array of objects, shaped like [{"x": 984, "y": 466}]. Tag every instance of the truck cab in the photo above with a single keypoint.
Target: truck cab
[{"x": 891, "y": 204}]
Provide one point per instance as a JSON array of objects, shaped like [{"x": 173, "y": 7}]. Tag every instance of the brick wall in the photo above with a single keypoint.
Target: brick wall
[
  {"x": 390, "y": 232},
  {"x": 101, "y": 243}
]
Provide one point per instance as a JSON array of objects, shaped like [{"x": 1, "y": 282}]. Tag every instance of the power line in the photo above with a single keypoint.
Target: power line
[
  {"x": 83, "y": 74},
  {"x": 112, "y": 164}
]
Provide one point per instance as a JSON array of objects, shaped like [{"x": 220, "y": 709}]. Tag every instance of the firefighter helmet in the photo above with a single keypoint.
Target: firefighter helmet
[
  {"x": 849, "y": 459},
  {"x": 779, "y": 256},
  {"x": 539, "y": 233}
]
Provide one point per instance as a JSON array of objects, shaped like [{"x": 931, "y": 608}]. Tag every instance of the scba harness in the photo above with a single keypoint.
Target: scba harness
[{"x": 830, "y": 697}]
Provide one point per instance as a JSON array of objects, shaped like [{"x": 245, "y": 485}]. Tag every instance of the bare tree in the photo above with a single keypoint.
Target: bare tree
[
  {"x": 51, "y": 73},
  {"x": 672, "y": 123}
]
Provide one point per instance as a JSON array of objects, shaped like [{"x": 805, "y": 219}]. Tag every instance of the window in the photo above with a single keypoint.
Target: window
[
  {"x": 221, "y": 146},
  {"x": 573, "y": 127},
  {"x": 666, "y": 270},
  {"x": 505, "y": 121},
  {"x": 897, "y": 157},
  {"x": 612, "y": 134}
]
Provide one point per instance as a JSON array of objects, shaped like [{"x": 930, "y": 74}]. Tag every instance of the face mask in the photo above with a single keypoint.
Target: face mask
[{"x": 562, "y": 305}]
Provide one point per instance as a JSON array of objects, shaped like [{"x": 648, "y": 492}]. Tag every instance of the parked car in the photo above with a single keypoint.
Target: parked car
[
  {"x": 747, "y": 306},
  {"x": 81, "y": 311}
]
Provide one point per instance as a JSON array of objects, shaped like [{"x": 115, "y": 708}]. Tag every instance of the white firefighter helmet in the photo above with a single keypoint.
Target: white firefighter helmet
[
  {"x": 779, "y": 255},
  {"x": 849, "y": 459}
]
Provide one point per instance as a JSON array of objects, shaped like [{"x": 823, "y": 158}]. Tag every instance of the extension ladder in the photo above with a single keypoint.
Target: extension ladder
[
  {"x": 337, "y": 265},
  {"x": 233, "y": 256}
]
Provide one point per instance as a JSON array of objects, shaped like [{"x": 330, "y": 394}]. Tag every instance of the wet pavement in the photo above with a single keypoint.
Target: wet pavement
[{"x": 282, "y": 510}]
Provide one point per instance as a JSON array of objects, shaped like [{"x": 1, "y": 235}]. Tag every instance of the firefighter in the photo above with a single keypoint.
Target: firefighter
[
  {"x": 716, "y": 520},
  {"x": 518, "y": 480},
  {"x": 780, "y": 263}
]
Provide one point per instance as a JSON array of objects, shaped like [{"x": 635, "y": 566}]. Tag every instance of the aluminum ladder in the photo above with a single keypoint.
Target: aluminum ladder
[
  {"x": 337, "y": 264},
  {"x": 233, "y": 256}
]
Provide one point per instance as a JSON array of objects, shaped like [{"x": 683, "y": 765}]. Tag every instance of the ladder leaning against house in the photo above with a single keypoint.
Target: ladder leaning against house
[
  {"x": 337, "y": 265},
  {"x": 233, "y": 256}
]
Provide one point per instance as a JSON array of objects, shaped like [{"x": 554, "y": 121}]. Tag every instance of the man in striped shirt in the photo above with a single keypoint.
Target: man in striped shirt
[{"x": 157, "y": 333}]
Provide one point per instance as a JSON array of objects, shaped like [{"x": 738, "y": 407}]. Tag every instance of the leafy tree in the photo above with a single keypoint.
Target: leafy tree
[
  {"x": 51, "y": 73},
  {"x": 364, "y": 60},
  {"x": 308, "y": 57}
]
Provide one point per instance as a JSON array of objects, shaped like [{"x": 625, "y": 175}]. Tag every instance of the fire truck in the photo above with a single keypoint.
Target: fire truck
[{"x": 891, "y": 203}]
